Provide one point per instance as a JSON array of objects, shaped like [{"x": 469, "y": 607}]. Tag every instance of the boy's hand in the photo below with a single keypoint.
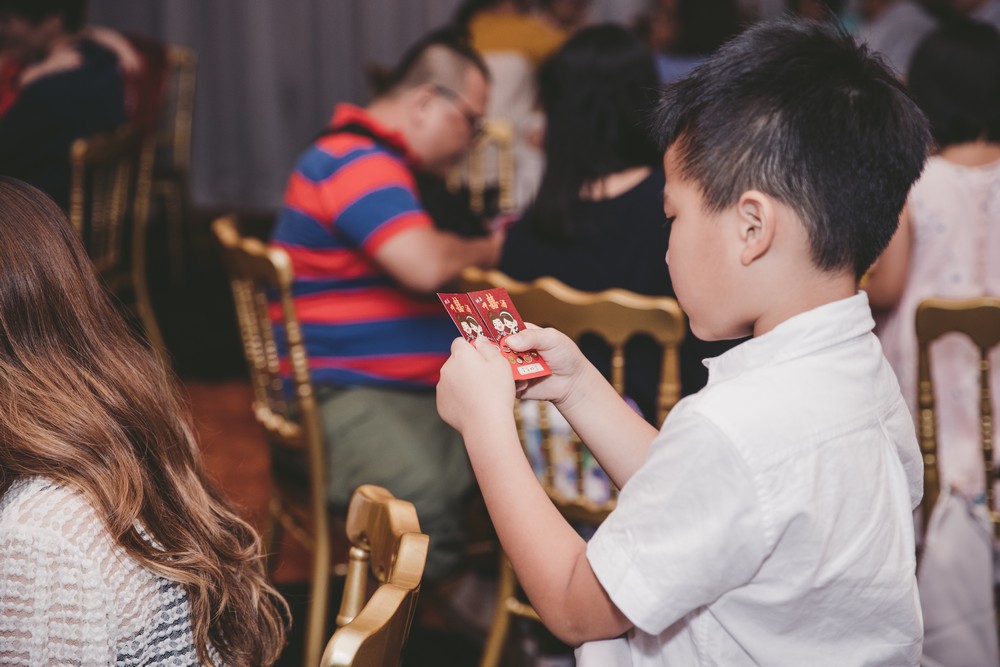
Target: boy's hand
[
  {"x": 561, "y": 354},
  {"x": 476, "y": 386}
]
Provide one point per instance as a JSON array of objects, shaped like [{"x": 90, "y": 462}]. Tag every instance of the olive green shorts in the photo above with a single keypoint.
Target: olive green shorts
[{"x": 395, "y": 438}]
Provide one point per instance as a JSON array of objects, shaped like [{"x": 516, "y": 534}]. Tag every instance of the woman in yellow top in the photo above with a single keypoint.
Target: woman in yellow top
[
  {"x": 513, "y": 41},
  {"x": 508, "y": 25}
]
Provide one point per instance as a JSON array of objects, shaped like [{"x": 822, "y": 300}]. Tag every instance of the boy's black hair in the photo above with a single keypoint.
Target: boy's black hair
[
  {"x": 955, "y": 78},
  {"x": 73, "y": 12},
  {"x": 797, "y": 110}
]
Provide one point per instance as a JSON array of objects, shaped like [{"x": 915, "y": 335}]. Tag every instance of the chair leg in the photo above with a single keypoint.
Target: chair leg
[
  {"x": 143, "y": 302},
  {"x": 500, "y": 628},
  {"x": 274, "y": 532},
  {"x": 172, "y": 196},
  {"x": 316, "y": 632},
  {"x": 150, "y": 326}
]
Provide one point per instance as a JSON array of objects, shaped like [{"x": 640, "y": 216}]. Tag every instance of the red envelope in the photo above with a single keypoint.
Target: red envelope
[
  {"x": 497, "y": 310},
  {"x": 465, "y": 316},
  {"x": 469, "y": 312}
]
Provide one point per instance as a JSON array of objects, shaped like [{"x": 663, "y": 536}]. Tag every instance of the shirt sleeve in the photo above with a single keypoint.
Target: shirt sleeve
[
  {"x": 52, "y": 607},
  {"x": 687, "y": 528}
]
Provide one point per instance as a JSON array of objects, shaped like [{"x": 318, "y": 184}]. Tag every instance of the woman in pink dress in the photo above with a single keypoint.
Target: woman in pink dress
[
  {"x": 948, "y": 242},
  {"x": 948, "y": 245}
]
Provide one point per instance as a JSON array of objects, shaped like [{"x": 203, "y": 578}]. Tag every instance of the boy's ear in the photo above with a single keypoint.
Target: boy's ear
[{"x": 757, "y": 220}]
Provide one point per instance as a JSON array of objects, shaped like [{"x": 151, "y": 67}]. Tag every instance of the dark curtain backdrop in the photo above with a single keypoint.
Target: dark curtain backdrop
[{"x": 270, "y": 72}]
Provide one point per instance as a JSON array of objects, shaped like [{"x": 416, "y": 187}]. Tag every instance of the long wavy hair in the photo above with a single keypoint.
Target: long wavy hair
[
  {"x": 84, "y": 404},
  {"x": 596, "y": 92}
]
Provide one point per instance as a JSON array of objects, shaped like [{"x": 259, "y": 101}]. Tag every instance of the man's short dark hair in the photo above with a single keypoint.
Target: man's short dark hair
[
  {"x": 73, "y": 12},
  {"x": 418, "y": 65},
  {"x": 797, "y": 110},
  {"x": 955, "y": 78}
]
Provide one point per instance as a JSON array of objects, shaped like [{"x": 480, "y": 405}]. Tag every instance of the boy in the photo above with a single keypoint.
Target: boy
[{"x": 769, "y": 522}]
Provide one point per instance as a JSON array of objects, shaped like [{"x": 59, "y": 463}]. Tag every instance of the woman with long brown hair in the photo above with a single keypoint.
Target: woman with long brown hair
[{"x": 113, "y": 547}]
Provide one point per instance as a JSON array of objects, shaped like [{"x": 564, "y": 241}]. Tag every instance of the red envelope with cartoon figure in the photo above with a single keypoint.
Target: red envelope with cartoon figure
[
  {"x": 502, "y": 319},
  {"x": 465, "y": 316},
  {"x": 471, "y": 319}
]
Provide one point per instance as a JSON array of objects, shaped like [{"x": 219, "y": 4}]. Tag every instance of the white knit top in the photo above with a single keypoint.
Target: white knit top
[{"x": 70, "y": 596}]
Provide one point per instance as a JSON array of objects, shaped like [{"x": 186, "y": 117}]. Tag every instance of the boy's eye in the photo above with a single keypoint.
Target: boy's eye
[{"x": 669, "y": 220}]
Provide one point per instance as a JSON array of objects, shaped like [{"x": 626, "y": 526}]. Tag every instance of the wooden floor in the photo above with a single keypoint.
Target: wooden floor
[{"x": 236, "y": 459}]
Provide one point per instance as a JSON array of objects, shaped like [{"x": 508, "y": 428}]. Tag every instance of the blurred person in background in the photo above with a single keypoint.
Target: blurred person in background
[
  {"x": 657, "y": 26},
  {"x": 367, "y": 260},
  {"x": 984, "y": 11},
  {"x": 822, "y": 10},
  {"x": 684, "y": 33},
  {"x": 566, "y": 15},
  {"x": 58, "y": 83},
  {"x": 598, "y": 219},
  {"x": 814, "y": 10},
  {"x": 946, "y": 246},
  {"x": 514, "y": 41},
  {"x": 508, "y": 25},
  {"x": 894, "y": 28},
  {"x": 948, "y": 233}
]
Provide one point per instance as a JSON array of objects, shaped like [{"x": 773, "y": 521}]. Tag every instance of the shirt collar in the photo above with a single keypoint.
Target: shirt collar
[
  {"x": 346, "y": 113},
  {"x": 805, "y": 333}
]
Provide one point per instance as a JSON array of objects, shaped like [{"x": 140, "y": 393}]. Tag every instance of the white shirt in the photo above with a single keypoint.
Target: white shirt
[{"x": 771, "y": 523}]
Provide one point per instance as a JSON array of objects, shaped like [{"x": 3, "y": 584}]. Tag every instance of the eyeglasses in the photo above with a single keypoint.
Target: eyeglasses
[{"x": 475, "y": 120}]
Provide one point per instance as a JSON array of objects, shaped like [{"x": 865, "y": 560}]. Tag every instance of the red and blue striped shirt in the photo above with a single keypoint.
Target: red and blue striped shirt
[{"x": 347, "y": 196}]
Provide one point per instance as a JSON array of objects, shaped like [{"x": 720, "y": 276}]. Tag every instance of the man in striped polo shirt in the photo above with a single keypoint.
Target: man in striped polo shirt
[{"x": 367, "y": 261}]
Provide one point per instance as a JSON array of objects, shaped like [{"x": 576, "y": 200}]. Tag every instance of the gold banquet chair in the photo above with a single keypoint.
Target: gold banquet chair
[
  {"x": 288, "y": 415},
  {"x": 493, "y": 153},
  {"x": 385, "y": 539},
  {"x": 109, "y": 207},
  {"x": 172, "y": 162},
  {"x": 616, "y": 316},
  {"x": 979, "y": 319}
]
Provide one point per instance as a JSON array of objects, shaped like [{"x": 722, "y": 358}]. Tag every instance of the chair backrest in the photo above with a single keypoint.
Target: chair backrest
[
  {"x": 385, "y": 541},
  {"x": 979, "y": 319},
  {"x": 173, "y": 144},
  {"x": 490, "y": 160},
  {"x": 261, "y": 281},
  {"x": 614, "y": 315},
  {"x": 109, "y": 197},
  {"x": 145, "y": 85}
]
